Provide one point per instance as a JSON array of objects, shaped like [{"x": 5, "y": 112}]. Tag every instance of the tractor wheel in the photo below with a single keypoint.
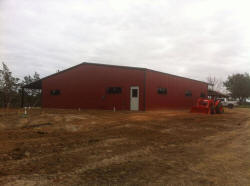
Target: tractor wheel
[
  {"x": 211, "y": 110},
  {"x": 231, "y": 106},
  {"x": 219, "y": 109}
]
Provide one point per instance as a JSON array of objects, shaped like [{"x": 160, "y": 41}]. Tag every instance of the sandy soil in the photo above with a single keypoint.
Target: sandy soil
[{"x": 69, "y": 147}]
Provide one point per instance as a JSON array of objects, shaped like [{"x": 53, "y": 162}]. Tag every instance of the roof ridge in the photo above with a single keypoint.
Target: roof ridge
[{"x": 109, "y": 65}]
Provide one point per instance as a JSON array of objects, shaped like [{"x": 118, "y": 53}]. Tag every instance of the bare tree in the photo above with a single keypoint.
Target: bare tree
[{"x": 215, "y": 84}]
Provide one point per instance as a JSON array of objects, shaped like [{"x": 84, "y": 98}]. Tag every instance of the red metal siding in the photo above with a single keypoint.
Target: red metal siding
[
  {"x": 85, "y": 87},
  {"x": 176, "y": 88}
]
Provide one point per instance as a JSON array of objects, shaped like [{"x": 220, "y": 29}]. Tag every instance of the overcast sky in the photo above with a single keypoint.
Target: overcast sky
[{"x": 191, "y": 38}]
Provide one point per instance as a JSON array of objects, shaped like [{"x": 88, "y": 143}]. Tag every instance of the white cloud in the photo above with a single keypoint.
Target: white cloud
[{"x": 194, "y": 38}]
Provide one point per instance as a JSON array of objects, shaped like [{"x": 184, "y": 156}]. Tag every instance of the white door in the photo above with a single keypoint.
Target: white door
[{"x": 134, "y": 98}]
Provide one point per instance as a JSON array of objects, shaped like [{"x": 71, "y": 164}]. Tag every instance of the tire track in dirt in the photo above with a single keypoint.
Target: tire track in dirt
[
  {"x": 228, "y": 157},
  {"x": 66, "y": 151},
  {"x": 129, "y": 148},
  {"x": 128, "y": 157}
]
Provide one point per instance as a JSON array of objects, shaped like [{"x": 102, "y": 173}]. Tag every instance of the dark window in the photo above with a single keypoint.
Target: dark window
[
  {"x": 188, "y": 93},
  {"x": 203, "y": 95},
  {"x": 162, "y": 91},
  {"x": 134, "y": 93},
  {"x": 55, "y": 92},
  {"x": 114, "y": 90}
]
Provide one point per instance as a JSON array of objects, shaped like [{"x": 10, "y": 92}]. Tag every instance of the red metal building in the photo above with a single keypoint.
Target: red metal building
[{"x": 100, "y": 86}]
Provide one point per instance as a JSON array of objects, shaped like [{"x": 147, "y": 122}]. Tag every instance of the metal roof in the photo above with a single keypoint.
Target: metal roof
[{"x": 38, "y": 84}]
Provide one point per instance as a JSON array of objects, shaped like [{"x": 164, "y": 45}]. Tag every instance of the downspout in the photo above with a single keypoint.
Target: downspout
[
  {"x": 41, "y": 96},
  {"x": 22, "y": 99},
  {"x": 144, "y": 97}
]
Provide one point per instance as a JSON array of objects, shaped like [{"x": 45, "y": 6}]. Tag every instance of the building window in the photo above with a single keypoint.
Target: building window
[
  {"x": 55, "y": 92},
  {"x": 162, "y": 91},
  {"x": 188, "y": 93},
  {"x": 203, "y": 95},
  {"x": 114, "y": 90},
  {"x": 134, "y": 93}
]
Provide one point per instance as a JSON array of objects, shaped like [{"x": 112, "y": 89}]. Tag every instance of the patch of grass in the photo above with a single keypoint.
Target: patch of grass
[{"x": 247, "y": 105}]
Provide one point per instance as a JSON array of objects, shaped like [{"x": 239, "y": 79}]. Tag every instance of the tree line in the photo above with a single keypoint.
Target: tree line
[
  {"x": 237, "y": 85},
  {"x": 11, "y": 89}
]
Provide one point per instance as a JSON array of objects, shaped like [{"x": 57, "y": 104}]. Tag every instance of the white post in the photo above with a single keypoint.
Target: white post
[{"x": 25, "y": 110}]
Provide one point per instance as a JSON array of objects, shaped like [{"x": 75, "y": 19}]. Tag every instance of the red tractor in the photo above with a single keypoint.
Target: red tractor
[{"x": 208, "y": 106}]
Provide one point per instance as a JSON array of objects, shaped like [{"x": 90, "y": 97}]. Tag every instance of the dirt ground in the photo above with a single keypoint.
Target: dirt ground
[{"x": 71, "y": 147}]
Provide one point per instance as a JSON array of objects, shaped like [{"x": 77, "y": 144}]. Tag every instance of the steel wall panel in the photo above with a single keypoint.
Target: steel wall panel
[
  {"x": 176, "y": 87},
  {"x": 85, "y": 87}
]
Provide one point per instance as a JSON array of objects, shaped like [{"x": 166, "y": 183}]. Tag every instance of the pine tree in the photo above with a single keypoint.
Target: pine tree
[{"x": 9, "y": 86}]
